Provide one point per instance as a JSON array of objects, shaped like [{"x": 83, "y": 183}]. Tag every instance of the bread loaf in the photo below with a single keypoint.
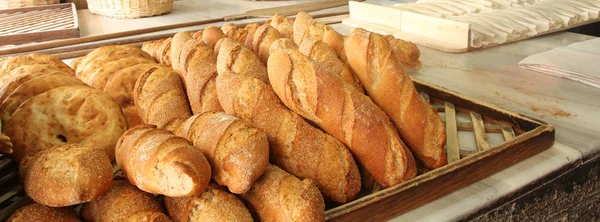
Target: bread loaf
[
  {"x": 66, "y": 175},
  {"x": 211, "y": 36},
  {"x": 420, "y": 127},
  {"x": 201, "y": 71},
  {"x": 235, "y": 32},
  {"x": 282, "y": 44},
  {"x": 306, "y": 27},
  {"x": 213, "y": 204},
  {"x": 234, "y": 57},
  {"x": 100, "y": 77},
  {"x": 406, "y": 53},
  {"x": 323, "y": 54},
  {"x": 237, "y": 152},
  {"x": 264, "y": 36},
  {"x": 296, "y": 146},
  {"x": 177, "y": 43},
  {"x": 284, "y": 25},
  {"x": 11, "y": 63},
  {"x": 343, "y": 112},
  {"x": 100, "y": 56},
  {"x": 279, "y": 196},
  {"x": 38, "y": 212},
  {"x": 124, "y": 202},
  {"x": 250, "y": 29},
  {"x": 67, "y": 114},
  {"x": 14, "y": 80},
  {"x": 159, "y": 97},
  {"x": 158, "y": 162}
]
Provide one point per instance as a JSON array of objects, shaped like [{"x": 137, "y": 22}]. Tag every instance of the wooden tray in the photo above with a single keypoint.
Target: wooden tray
[
  {"x": 520, "y": 138},
  {"x": 444, "y": 33},
  {"x": 40, "y": 23}
]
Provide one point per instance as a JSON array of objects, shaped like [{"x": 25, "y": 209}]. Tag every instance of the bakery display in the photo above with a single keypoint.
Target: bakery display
[
  {"x": 237, "y": 152},
  {"x": 159, "y": 162},
  {"x": 419, "y": 125},
  {"x": 214, "y": 204},
  {"x": 124, "y": 202},
  {"x": 79, "y": 173}
]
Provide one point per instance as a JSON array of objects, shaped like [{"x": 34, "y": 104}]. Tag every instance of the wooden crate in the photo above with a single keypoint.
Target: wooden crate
[
  {"x": 40, "y": 23},
  {"x": 523, "y": 138}
]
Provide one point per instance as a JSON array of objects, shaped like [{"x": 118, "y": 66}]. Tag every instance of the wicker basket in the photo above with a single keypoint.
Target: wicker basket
[
  {"x": 7, "y": 4},
  {"x": 130, "y": 8}
]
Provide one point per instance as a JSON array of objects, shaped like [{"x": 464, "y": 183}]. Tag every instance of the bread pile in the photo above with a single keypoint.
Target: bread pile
[{"x": 263, "y": 122}]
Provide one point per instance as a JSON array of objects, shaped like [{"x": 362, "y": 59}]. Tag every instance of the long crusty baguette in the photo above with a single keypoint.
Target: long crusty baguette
[
  {"x": 234, "y": 57},
  {"x": 124, "y": 202},
  {"x": 38, "y": 212},
  {"x": 159, "y": 162},
  {"x": 200, "y": 73},
  {"x": 282, "y": 44},
  {"x": 66, "y": 175},
  {"x": 211, "y": 36},
  {"x": 280, "y": 196},
  {"x": 420, "y": 127},
  {"x": 235, "y": 32},
  {"x": 296, "y": 146},
  {"x": 159, "y": 97},
  {"x": 406, "y": 53},
  {"x": 237, "y": 152},
  {"x": 213, "y": 204},
  {"x": 323, "y": 54},
  {"x": 177, "y": 43},
  {"x": 264, "y": 36},
  {"x": 343, "y": 112},
  {"x": 283, "y": 24}
]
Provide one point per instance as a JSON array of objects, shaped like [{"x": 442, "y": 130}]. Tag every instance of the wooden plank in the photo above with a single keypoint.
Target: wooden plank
[
  {"x": 508, "y": 133},
  {"x": 452, "y": 146},
  {"x": 376, "y": 14},
  {"x": 479, "y": 131},
  {"x": 446, "y": 32}
]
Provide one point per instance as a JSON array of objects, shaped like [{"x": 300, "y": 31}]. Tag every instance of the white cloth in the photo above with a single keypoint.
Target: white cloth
[{"x": 579, "y": 61}]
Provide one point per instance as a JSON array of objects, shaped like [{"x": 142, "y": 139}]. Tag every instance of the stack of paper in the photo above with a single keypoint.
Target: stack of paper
[{"x": 579, "y": 61}]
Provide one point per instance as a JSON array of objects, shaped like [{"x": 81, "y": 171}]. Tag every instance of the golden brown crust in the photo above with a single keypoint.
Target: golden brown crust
[
  {"x": 250, "y": 29},
  {"x": 279, "y": 196},
  {"x": 120, "y": 88},
  {"x": 100, "y": 77},
  {"x": 78, "y": 173},
  {"x": 38, "y": 212},
  {"x": 201, "y": 71},
  {"x": 211, "y": 36},
  {"x": 236, "y": 58},
  {"x": 13, "y": 80},
  {"x": 100, "y": 56},
  {"x": 32, "y": 88},
  {"x": 419, "y": 126},
  {"x": 282, "y": 44},
  {"x": 68, "y": 114},
  {"x": 284, "y": 25},
  {"x": 213, "y": 204},
  {"x": 264, "y": 36},
  {"x": 406, "y": 53},
  {"x": 306, "y": 27},
  {"x": 295, "y": 145},
  {"x": 158, "y": 162},
  {"x": 323, "y": 54},
  {"x": 124, "y": 202},
  {"x": 10, "y": 63},
  {"x": 237, "y": 152},
  {"x": 235, "y": 32},
  {"x": 343, "y": 112},
  {"x": 177, "y": 43},
  {"x": 159, "y": 97}
]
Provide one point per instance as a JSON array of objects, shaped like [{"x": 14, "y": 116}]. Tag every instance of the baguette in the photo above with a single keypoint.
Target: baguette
[
  {"x": 77, "y": 173},
  {"x": 419, "y": 125},
  {"x": 124, "y": 202},
  {"x": 237, "y": 152},
  {"x": 306, "y": 27},
  {"x": 158, "y": 162},
  {"x": 234, "y": 57},
  {"x": 250, "y": 29},
  {"x": 282, "y": 44},
  {"x": 323, "y": 54},
  {"x": 264, "y": 36},
  {"x": 296, "y": 146},
  {"x": 343, "y": 112},
  {"x": 159, "y": 97},
  {"x": 201, "y": 71},
  {"x": 38, "y": 212},
  {"x": 177, "y": 43},
  {"x": 283, "y": 24},
  {"x": 211, "y": 36},
  {"x": 213, "y": 204},
  {"x": 235, "y": 32},
  {"x": 279, "y": 196},
  {"x": 406, "y": 53}
]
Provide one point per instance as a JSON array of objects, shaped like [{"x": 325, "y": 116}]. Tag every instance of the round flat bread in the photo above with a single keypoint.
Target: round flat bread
[
  {"x": 14, "y": 80},
  {"x": 67, "y": 114},
  {"x": 27, "y": 70},
  {"x": 12, "y": 63},
  {"x": 120, "y": 87},
  {"x": 32, "y": 88},
  {"x": 100, "y": 77},
  {"x": 97, "y": 58}
]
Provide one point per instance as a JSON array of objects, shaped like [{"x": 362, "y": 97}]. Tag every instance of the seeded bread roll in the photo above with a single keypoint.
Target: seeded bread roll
[
  {"x": 280, "y": 196},
  {"x": 124, "y": 202},
  {"x": 419, "y": 125},
  {"x": 345, "y": 113},
  {"x": 237, "y": 152},
  {"x": 158, "y": 162},
  {"x": 296, "y": 146},
  {"x": 38, "y": 212},
  {"x": 213, "y": 204},
  {"x": 66, "y": 175}
]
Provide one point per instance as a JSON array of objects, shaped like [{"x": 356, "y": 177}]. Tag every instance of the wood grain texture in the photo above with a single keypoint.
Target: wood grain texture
[{"x": 452, "y": 146}]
